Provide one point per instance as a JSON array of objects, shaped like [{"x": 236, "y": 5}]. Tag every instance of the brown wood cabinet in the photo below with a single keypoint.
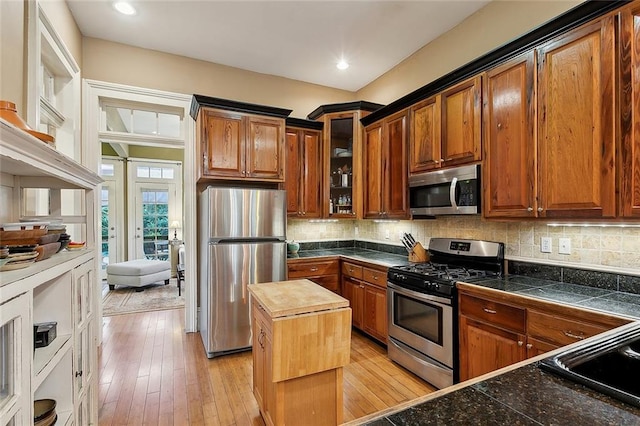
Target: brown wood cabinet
[
  {"x": 498, "y": 329},
  {"x": 385, "y": 168},
  {"x": 301, "y": 341},
  {"x": 325, "y": 272},
  {"x": 425, "y": 135},
  {"x": 303, "y": 178},
  {"x": 446, "y": 128},
  {"x": 342, "y": 160},
  {"x": 571, "y": 173},
  {"x": 576, "y": 123},
  {"x": 629, "y": 152},
  {"x": 365, "y": 289},
  {"x": 235, "y": 145},
  {"x": 509, "y": 188}
]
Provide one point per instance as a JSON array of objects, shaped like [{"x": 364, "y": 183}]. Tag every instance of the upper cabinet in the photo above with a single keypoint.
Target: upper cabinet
[
  {"x": 384, "y": 168},
  {"x": 629, "y": 152},
  {"x": 567, "y": 168},
  {"x": 303, "y": 181},
  {"x": 239, "y": 141},
  {"x": 446, "y": 128},
  {"x": 576, "y": 123},
  {"x": 509, "y": 168},
  {"x": 343, "y": 157}
]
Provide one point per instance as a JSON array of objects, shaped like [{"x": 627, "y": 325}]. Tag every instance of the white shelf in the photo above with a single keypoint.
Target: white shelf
[
  {"x": 24, "y": 155},
  {"x": 64, "y": 260},
  {"x": 45, "y": 359}
]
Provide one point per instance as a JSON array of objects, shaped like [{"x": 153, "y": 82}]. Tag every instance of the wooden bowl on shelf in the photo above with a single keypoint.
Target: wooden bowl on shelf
[{"x": 45, "y": 251}]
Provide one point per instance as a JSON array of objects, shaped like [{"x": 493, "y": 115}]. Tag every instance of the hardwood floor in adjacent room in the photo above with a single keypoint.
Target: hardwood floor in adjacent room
[{"x": 152, "y": 372}]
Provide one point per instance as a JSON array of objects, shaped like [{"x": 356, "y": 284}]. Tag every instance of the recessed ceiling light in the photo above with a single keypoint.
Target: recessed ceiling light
[
  {"x": 124, "y": 8},
  {"x": 342, "y": 65}
]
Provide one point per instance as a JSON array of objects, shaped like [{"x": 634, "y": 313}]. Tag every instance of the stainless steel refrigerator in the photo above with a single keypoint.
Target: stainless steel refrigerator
[{"x": 242, "y": 242}]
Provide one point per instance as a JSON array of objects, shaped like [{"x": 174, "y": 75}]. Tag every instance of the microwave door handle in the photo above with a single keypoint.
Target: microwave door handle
[{"x": 452, "y": 193}]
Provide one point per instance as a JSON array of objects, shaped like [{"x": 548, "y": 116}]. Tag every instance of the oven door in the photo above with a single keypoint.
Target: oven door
[{"x": 422, "y": 322}]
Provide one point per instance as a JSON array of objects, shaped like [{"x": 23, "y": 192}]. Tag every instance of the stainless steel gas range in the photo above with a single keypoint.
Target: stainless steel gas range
[{"x": 422, "y": 305}]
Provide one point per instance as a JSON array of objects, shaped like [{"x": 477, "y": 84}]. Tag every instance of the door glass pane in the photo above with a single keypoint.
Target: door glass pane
[
  {"x": 6, "y": 362},
  {"x": 155, "y": 222},
  {"x": 104, "y": 244}
]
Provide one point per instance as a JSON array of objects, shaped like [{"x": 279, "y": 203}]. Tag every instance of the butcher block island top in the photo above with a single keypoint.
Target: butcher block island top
[
  {"x": 301, "y": 340},
  {"x": 294, "y": 297}
]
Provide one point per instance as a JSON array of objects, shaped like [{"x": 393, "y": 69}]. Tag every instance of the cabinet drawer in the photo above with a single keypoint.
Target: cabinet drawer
[
  {"x": 330, "y": 282},
  {"x": 560, "y": 330},
  {"x": 495, "y": 313},
  {"x": 351, "y": 270},
  {"x": 307, "y": 269},
  {"x": 375, "y": 277}
]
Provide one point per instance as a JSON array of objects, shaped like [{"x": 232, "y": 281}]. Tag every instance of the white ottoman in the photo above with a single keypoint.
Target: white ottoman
[{"x": 138, "y": 273}]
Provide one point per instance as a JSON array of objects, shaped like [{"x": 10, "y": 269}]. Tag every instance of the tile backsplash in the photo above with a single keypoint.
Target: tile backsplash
[{"x": 597, "y": 247}]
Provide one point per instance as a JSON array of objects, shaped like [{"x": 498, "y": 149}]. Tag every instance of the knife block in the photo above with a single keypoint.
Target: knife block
[{"x": 418, "y": 254}]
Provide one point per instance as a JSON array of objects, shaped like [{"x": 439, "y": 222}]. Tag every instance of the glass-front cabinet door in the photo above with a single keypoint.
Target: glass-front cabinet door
[
  {"x": 340, "y": 132},
  {"x": 15, "y": 377}
]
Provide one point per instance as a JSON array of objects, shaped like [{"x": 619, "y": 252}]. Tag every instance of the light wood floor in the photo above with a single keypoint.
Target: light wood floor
[{"x": 151, "y": 372}]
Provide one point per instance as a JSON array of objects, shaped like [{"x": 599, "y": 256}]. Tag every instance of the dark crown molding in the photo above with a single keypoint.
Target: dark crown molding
[
  {"x": 573, "y": 18},
  {"x": 198, "y": 101},
  {"x": 304, "y": 124},
  {"x": 346, "y": 106}
]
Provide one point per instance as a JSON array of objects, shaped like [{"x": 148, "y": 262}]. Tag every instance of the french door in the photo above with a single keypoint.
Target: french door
[
  {"x": 155, "y": 195},
  {"x": 112, "y": 213}
]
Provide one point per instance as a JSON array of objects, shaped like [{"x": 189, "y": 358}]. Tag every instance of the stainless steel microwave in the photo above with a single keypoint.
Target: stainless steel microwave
[{"x": 445, "y": 192}]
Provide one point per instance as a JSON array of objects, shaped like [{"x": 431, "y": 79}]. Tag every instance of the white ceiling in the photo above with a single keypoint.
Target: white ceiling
[{"x": 301, "y": 39}]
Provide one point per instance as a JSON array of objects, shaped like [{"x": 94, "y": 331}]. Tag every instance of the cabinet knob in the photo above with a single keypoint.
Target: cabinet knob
[
  {"x": 499, "y": 126},
  {"x": 529, "y": 345},
  {"x": 540, "y": 209},
  {"x": 529, "y": 209},
  {"x": 571, "y": 334},
  {"x": 79, "y": 373},
  {"x": 314, "y": 269},
  {"x": 490, "y": 311},
  {"x": 520, "y": 343}
]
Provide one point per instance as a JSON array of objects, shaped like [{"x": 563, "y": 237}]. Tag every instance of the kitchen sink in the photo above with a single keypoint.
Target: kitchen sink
[{"x": 610, "y": 364}]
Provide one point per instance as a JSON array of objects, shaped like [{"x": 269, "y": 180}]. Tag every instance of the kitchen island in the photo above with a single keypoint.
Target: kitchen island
[{"x": 301, "y": 341}]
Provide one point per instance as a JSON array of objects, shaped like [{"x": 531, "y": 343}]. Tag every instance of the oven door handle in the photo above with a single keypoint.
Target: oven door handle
[
  {"x": 437, "y": 300},
  {"x": 452, "y": 193}
]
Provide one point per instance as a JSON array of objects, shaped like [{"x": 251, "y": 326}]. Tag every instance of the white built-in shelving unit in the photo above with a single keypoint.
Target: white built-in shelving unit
[{"x": 62, "y": 288}]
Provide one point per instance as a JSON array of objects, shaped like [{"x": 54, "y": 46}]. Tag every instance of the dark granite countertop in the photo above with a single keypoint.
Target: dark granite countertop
[
  {"x": 583, "y": 296},
  {"x": 524, "y": 396},
  {"x": 355, "y": 253}
]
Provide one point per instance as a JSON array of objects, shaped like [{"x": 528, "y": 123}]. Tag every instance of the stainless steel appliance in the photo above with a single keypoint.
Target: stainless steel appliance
[
  {"x": 445, "y": 192},
  {"x": 242, "y": 242},
  {"x": 422, "y": 305}
]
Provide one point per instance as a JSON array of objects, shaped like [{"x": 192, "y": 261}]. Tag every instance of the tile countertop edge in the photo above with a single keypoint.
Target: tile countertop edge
[
  {"x": 395, "y": 260},
  {"x": 509, "y": 296},
  {"x": 405, "y": 405}
]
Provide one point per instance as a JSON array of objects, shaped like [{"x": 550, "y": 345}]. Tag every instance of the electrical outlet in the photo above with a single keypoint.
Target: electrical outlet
[
  {"x": 387, "y": 234},
  {"x": 545, "y": 244},
  {"x": 356, "y": 231},
  {"x": 564, "y": 245}
]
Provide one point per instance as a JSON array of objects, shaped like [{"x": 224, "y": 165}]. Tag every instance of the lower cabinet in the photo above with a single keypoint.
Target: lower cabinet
[
  {"x": 325, "y": 272},
  {"x": 497, "y": 333},
  {"x": 366, "y": 290},
  {"x": 298, "y": 354}
]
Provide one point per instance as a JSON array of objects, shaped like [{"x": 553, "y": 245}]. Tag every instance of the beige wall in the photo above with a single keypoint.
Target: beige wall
[
  {"x": 119, "y": 63},
  {"x": 13, "y": 48},
  {"x": 492, "y": 26}
]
